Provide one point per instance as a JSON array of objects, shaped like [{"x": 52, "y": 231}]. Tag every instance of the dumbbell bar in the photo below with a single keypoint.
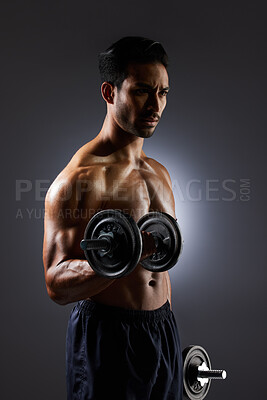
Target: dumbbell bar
[
  {"x": 112, "y": 242},
  {"x": 197, "y": 373}
]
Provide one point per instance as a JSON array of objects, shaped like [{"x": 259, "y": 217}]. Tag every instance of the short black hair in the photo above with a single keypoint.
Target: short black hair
[{"x": 114, "y": 61}]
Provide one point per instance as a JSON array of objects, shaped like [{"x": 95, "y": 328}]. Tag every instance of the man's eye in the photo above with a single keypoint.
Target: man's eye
[{"x": 164, "y": 93}]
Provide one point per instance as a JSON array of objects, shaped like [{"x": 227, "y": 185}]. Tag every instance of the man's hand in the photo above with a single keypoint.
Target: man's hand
[{"x": 149, "y": 245}]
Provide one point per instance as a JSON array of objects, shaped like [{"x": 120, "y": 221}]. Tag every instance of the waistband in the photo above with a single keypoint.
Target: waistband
[{"x": 102, "y": 311}]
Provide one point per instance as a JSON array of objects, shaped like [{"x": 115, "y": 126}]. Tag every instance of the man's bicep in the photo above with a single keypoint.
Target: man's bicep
[
  {"x": 60, "y": 245},
  {"x": 63, "y": 244},
  {"x": 62, "y": 233}
]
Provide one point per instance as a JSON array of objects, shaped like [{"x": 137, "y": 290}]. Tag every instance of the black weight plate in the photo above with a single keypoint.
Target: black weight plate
[
  {"x": 193, "y": 357},
  {"x": 123, "y": 259},
  {"x": 164, "y": 225}
]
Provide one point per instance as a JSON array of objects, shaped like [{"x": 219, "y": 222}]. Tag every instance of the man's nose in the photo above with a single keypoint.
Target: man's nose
[{"x": 153, "y": 103}]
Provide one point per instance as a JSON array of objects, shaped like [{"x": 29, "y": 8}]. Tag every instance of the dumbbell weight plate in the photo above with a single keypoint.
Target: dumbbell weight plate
[
  {"x": 164, "y": 226},
  {"x": 127, "y": 252},
  {"x": 193, "y": 357}
]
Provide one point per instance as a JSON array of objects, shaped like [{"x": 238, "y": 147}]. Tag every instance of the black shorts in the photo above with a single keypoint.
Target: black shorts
[{"x": 123, "y": 354}]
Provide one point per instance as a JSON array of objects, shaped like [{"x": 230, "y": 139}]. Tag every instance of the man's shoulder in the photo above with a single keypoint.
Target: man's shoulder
[
  {"x": 154, "y": 163},
  {"x": 83, "y": 158},
  {"x": 158, "y": 168},
  {"x": 80, "y": 168}
]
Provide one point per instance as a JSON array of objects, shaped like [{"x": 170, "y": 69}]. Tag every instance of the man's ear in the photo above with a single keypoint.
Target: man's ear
[{"x": 107, "y": 91}]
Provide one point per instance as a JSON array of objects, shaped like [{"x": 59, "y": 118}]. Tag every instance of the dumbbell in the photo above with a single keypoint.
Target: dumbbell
[
  {"x": 197, "y": 373},
  {"x": 113, "y": 243}
]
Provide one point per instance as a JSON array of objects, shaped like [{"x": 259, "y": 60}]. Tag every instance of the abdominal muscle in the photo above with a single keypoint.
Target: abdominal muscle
[{"x": 140, "y": 290}]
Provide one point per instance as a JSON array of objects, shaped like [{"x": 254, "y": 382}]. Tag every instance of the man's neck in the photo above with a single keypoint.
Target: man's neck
[{"x": 115, "y": 140}]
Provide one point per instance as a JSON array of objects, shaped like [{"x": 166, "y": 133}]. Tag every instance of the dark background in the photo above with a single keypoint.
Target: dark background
[{"x": 211, "y": 139}]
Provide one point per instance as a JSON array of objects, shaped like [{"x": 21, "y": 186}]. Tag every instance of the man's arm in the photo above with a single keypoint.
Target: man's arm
[{"x": 68, "y": 276}]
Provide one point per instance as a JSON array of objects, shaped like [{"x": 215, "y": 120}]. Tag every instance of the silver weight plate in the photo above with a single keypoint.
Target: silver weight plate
[{"x": 168, "y": 237}]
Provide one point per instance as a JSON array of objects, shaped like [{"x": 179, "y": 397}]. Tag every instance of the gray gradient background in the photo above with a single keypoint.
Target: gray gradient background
[{"x": 213, "y": 129}]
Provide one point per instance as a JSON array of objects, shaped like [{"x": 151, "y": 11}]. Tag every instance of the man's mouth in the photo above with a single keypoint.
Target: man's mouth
[{"x": 150, "y": 121}]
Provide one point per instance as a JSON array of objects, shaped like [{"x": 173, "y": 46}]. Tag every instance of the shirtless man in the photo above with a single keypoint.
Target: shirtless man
[{"x": 122, "y": 339}]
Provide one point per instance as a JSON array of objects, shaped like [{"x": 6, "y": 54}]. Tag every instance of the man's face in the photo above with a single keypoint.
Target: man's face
[{"x": 139, "y": 103}]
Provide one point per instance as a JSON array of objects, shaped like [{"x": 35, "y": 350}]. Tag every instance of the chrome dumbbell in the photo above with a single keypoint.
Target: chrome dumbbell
[{"x": 197, "y": 373}]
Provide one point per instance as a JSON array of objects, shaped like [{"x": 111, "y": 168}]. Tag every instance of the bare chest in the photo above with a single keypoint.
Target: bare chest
[{"x": 134, "y": 191}]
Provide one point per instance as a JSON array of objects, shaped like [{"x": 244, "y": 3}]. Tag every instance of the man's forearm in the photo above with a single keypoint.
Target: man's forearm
[{"x": 74, "y": 280}]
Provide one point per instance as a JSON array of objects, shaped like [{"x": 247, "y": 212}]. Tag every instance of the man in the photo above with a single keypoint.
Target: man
[{"x": 122, "y": 340}]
